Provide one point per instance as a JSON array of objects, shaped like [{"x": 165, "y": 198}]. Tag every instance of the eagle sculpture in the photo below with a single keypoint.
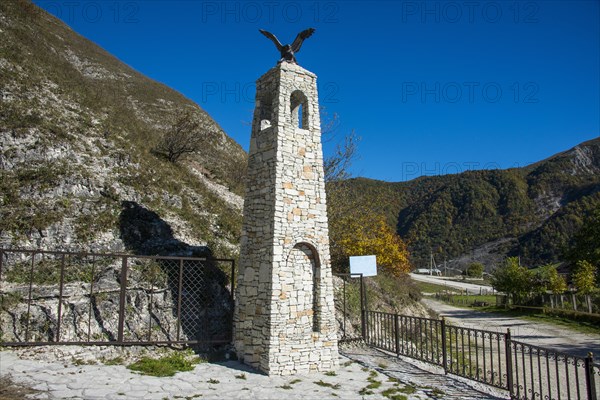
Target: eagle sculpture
[{"x": 288, "y": 51}]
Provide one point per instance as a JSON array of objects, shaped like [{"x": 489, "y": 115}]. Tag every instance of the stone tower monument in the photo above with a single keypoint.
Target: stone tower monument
[{"x": 284, "y": 319}]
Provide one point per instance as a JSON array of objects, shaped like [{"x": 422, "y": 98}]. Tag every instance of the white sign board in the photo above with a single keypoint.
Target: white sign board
[{"x": 366, "y": 265}]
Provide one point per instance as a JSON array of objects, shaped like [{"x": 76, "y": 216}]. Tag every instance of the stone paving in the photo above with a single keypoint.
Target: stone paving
[
  {"x": 423, "y": 375},
  {"x": 363, "y": 373}
]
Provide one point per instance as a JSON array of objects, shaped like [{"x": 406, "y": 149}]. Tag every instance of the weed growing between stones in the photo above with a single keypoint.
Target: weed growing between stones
[
  {"x": 114, "y": 361},
  {"x": 213, "y": 381},
  {"x": 330, "y": 373},
  {"x": 240, "y": 376},
  {"x": 396, "y": 393},
  {"x": 364, "y": 391},
  {"x": 327, "y": 384},
  {"x": 408, "y": 389},
  {"x": 295, "y": 381},
  {"x": 373, "y": 383},
  {"x": 80, "y": 361},
  {"x": 164, "y": 366},
  {"x": 392, "y": 394}
]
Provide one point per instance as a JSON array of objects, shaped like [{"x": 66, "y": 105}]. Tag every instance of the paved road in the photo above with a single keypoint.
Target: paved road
[
  {"x": 470, "y": 287},
  {"x": 540, "y": 334}
]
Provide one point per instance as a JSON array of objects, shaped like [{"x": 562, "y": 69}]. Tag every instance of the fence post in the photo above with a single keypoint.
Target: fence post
[
  {"x": 60, "y": 297},
  {"x": 509, "y": 374},
  {"x": 122, "y": 299},
  {"x": 1, "y": 258},
  {"x": 590, "y": 383},
  {"x": 344, "y": 308},
  {"x": 444, "y": 350},
  {"x": 363, "y": 313},
  {"x": 397, "y": 334},
  {"x": 232, "y": 279}
]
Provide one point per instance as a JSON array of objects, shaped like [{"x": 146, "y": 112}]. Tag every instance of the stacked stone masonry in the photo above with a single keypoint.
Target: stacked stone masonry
[{"x": 284, "y": 320}]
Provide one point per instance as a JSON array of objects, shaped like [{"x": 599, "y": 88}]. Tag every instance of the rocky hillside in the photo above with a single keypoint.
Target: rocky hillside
[
  {"x": 77, "y": 167},
  {"x": 487, "y": 215}
]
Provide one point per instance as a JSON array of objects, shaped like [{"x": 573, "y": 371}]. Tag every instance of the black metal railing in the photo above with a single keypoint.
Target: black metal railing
[
  {"x": 493, "y": 358},
  {"x": 53, "y": 297}
]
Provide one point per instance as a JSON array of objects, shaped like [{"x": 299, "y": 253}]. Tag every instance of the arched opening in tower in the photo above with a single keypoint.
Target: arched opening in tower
[{"x": 299, "y": 108}]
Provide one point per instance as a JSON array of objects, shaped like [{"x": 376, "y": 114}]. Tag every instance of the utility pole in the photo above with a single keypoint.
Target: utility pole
[{"x": 430, "y": 262}]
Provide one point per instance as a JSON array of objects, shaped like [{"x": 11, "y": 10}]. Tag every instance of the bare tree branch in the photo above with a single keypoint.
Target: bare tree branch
[{"x": 184, "y": 136}]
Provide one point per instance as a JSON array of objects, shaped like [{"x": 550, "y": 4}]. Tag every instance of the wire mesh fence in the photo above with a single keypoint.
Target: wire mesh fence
[{"x": 82, "y": 298}]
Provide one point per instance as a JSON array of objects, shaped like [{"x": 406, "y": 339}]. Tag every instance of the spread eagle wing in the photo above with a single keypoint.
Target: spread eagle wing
[
  {"x": 273, "y": 38},
  {"x": 300, "y": 38}
]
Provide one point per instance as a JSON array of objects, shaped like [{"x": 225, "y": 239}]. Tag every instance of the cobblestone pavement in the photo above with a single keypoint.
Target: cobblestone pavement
[{"x": 364, "y": 373}]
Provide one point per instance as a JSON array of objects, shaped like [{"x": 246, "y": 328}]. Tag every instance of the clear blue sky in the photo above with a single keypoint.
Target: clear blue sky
[{"x": 432, "y": 87}]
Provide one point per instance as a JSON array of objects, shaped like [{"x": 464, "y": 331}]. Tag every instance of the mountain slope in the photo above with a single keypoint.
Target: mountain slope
[
  {"x": 77, "y": 130},
  {"x": 487, "y": 215}
]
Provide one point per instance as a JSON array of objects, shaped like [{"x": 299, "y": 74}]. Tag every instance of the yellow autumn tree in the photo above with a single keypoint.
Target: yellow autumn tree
[{"x": 360, "y": 235}]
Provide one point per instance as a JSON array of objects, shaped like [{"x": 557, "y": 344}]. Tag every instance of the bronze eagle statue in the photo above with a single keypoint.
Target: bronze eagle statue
[{"x": 288, "y": 51}]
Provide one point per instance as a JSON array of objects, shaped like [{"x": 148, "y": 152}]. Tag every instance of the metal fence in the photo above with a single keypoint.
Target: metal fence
[
  {"x": 52, "y": 297},
  {"x": 493, "y": 358}
]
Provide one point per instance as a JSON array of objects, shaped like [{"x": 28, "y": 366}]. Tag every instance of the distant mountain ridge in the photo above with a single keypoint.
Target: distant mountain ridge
[
  {"x": 486, "y": 215},
  {"x": 77, "y": 132}
]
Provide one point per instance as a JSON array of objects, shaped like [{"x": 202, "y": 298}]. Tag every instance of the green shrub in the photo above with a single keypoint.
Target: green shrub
[{"x": 164, "y": 366}]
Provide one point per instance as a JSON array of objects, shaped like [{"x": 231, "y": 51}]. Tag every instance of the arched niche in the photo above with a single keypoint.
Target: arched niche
[{"x": 304, "y": 297}]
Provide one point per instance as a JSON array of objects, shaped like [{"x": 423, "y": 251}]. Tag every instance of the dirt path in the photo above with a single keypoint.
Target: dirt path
[{"x": 536, "y": 333}]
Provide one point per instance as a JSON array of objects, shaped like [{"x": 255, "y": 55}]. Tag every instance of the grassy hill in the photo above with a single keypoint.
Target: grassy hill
[
  {"x": 77, "y": 129},
  {"x": 487, "y": 215}
]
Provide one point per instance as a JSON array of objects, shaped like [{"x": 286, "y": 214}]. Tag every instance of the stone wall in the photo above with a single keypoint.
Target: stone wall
[{"x": 285, "y": 321}]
